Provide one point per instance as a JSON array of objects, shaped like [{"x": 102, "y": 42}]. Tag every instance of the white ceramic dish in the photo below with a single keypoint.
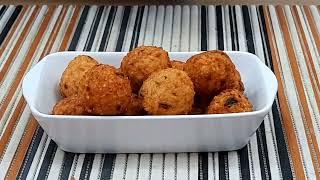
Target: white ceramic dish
[{"x": 143, "y": 134}]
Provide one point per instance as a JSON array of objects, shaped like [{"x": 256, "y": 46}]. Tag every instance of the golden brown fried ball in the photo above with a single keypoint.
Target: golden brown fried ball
[
  {"x": 70, "y": 106},
  {"x": 106, "y": 90},
  {"x": 139, "y": 63},
  {"x": 135, "y": 107},
  {"x": 72, "y": 75},
  {"x": 167, "y": 92},
  {"x": 177, "y": 64},
  {"x": 230, "y": 101},
  {"x": 209, "y": 71}
]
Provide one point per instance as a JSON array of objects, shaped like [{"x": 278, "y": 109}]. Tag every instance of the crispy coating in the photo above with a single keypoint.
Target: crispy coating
[
  {"x": 209, "y": 71},
  {"x": 70, "y": 106},
  {"x": 106, "y": 90},
  {"x": 234, "y": 81},
  {"x": 139, "y": 63},
  {"x": 168, "y": 92},
  {"x": 135, "y": 107},
  {"x": 175, "y": 64},
  {"x": 72, "y": 75},
  {"x": 230, "y": 101}
]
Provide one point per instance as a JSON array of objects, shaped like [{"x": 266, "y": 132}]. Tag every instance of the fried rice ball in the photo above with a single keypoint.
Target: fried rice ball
[
  {"x": 135, "y": 106},
  {"x": 230, "y": 101},
  {"x": 107, "y": 91},
  {"x": 72, "y": 75},
  {"x": 70, "y": 106},
  {"x": 139, "y": 63},
  {"x": 175, "y": 64},
  {"x": 209, "y": 71},
  {"x": 168, "y": 92},
  {"x": 234, "y": 82}
]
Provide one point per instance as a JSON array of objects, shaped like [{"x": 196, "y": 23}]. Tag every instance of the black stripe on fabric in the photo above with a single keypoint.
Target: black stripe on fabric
[
  {"x": 204, "y": 42},
  {"x": 223, "y": 165},
  {"x": 67, "y": 164},
  {"x": 280, "y": 137},
  {"x": 261, "y": 138},
  {"x": 86, "y": 166},
  {"x": 107, "y": 28},
  {"x": 219, "y": 27},
  {"x": 235, "y": 28},
  {"x": 93, "y": 29},
  {"x": 78, "y": 31},
  {"x": 32, "y": 149},
  {"x": 244, "y": 162},
  {"x": 9, "y": 23},
  {"x": 47, "y": 160},
  {"x": 108, "y": 166},
  {"x": 232, "y": 29},
  {"x": 123, "y": 28},
  {"x": 203, "y": 166},
  {"x": 136, "y": 28},
  {"x": 2, "y": 10}
]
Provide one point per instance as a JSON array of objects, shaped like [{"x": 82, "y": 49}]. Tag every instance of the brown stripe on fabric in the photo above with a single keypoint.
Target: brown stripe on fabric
[
  {"x": 71, "y": 27},
  {"x": 285, "y": 110},
  {"x": 309, "y": 130},
  {"x": 28, "y": 58},
  {"x": 307, "y": 55},
  {"x": 22, "y": 149},
  {"x": 11, "y": 126},
  {"x": 18, "y": 45},
  {"x": 31, "y": 127},
  {"x": 54, "y": 32},
  {"x": 313, "y": 27},
  {"x": 13, "y": 30}
]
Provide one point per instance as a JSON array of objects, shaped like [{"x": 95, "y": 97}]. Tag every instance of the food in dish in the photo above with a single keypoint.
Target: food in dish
[
  {"x": 73, "y": 105},
  {"x": 167, "y": 92},
  {"x": 147, "y": 82},
  {"x": 209, "y": 71},
  {"x": 139, "y": 63},
  {"x": 230, "y": 101},
  {"x": 106, "y": 91},
  {"x": 72, "y": 75}
]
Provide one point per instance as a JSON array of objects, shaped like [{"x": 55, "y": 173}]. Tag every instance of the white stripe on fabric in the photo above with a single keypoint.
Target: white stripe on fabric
[
  {"x": 150, "y": 27},
  {"x": 56, "y": 164},
  {"x": 193, "y": 166},
  {"x": 211, "y": 173},
  {"x": 212, "y": 29},
  {"x": 169, "y": 166},
  {"x": 143, "y": 26},
  {"x": 159, "y": 25},
  {"x": 144, "y": 167},
  {"x": 167, "y": 31},
  {"x": 96, "y": 167},
  {"x": 316, "y": 16},
  {"x": 101, "y": 27},
  {"x": 185, "y": 29},
  {"x": 157, "y": 166},
  {"x": 216, "y": 165},
  {"x": 119, "y": 167},
  {"x": 77, "y": 170},
  {"x": 182, "y": 166},
  {"x": 132, "y": 167},
  {"x": 289, "y": 86},
  {"x": 194, "y": 31},
  {"x": 176, "y": 29},
  {"x": 114, "y": 34}
]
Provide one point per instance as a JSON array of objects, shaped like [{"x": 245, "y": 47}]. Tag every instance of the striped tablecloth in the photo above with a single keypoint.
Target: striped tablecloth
[{"x": 286, "y": 38}]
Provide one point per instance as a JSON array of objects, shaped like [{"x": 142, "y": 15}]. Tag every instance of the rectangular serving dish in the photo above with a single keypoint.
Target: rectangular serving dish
[{"x": 147, "y": 134}]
